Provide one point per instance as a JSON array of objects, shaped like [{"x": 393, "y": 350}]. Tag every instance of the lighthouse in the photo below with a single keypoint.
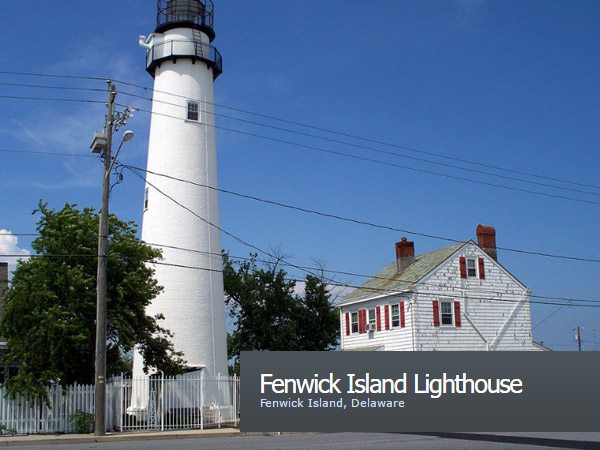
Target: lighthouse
[{"x": 179, "y": 217}]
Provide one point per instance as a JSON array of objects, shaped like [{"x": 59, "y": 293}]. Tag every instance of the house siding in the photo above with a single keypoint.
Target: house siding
[
  {"x": 494, "y": 311},
  {"x": 396, "y": 338}
]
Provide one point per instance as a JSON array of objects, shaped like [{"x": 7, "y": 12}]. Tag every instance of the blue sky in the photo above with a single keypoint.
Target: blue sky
[{"x": 510, "y": 84}]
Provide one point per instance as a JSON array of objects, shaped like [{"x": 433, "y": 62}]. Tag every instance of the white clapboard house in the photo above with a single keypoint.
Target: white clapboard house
[{"x": 456, "y": 298}]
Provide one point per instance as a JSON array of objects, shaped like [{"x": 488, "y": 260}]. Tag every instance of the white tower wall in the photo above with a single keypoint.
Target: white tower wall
[{"x": 193, "y": 300}]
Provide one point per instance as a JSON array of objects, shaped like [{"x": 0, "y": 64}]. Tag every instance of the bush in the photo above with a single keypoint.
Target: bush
[{"x": 82, "y": 421}]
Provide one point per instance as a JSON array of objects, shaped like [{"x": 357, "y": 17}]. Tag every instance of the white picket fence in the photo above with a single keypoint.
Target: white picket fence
[
  {"x": 184, "y": 402},
  {"x": 34, "y": 416}
]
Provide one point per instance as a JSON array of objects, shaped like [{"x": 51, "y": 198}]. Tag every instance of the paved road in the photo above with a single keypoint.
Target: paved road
[{"x": 350, "y": 441}]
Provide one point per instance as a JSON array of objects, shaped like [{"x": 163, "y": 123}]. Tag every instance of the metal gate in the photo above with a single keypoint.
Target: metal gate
[{"x": 190, "y": 401}]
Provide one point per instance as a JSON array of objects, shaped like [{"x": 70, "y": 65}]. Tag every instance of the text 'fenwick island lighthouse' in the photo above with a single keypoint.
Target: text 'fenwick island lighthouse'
[{"x": 179, "y": 217}]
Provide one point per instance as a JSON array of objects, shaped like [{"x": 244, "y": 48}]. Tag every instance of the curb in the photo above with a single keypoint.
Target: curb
[{"x": 31, "y": 440}]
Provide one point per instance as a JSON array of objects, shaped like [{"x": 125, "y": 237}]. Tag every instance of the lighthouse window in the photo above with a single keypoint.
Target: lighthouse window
[
  {"x": 193, "y": 111},
  {"x": 146, "y": 199}
]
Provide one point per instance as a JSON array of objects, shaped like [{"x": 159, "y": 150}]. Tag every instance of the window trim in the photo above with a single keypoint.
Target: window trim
[
  {"x": 354, "y": 323},
  {"x": 471, "y": 271},
  {"x": 372, "y": 317},
  {"x": 393, "y": 321},
  {"x": 450, "y": 304},
  {"x": 191, "y": 105}
]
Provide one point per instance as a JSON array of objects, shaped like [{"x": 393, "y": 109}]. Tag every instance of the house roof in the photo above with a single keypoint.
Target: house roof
[{"x": 389, "y": 280}]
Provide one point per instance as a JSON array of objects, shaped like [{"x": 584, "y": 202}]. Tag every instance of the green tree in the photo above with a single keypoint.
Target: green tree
[
  {"x": 50, "y": 309},
  {"x": 267, "y": 315}
]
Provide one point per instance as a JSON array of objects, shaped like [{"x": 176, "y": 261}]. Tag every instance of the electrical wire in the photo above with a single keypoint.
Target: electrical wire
[
  {"x": 240, "y": 240},
  {"x": 356, "y": 221},
  {"x": 74, "y": 100},
  {"x": 312, "y": 269},
  {"x": 372, "y": 149},
  {"x": 31, "y": 152},
  {"x": 376, "y": 161},
  {"x": 334, "y": 283},
  {"x": 374, "y": 141},
  {"x": 296, "y": 123}
]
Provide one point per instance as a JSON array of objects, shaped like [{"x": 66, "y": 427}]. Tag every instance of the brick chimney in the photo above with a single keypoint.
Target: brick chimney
[
  {"x": 405, "y": 254},
  {"x": 486, "y": 239}
]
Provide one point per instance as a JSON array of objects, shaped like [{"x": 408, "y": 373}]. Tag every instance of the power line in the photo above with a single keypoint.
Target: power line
[
  {"x": 376, "y": 161},
  {"x": 338, "y": 272},
  {"x": 64, "y": 88},
  {"x": 439, "y": 174},
  {"x": 356, "y": 221},
  {"x": 372, "y": 149},
  {"x": 208, "y": 222},
  {"x": 122, "y": 258},
  {"x": 300, "y": 124},
  {"x": 47, "y": 75},
  {"x": 74, "y": 100},
  {"x": 31, "y": 152},
  {"x": 332, "y": 283},
  {"x": 374, "y": 141},
  {"x": 306, "y": 269}
]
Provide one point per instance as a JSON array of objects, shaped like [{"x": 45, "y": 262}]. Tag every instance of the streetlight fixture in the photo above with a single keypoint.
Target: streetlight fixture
[{"x": 102, "y": 144}]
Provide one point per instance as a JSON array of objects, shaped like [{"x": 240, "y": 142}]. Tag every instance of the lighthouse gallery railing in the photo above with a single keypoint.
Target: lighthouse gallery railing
[{"x": 185, "y": 49}]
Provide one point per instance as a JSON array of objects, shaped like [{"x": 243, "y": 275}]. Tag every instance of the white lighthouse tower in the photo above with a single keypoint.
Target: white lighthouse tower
[{"x": 182, "y": 145}]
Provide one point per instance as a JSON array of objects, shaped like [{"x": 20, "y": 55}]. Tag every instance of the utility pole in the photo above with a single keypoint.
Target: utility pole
[
  {"x": 101, "y": 289},
  {"x": 579, "y": 337}
]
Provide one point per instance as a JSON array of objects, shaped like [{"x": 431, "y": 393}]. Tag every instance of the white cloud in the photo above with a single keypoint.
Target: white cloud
[
  {"x": 9, "y": 246},
  {"x": 28, "y": 132}
]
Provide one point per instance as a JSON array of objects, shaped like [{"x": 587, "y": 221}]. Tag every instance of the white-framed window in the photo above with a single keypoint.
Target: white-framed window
[
  {"x": 193, "y": 111},
  {"x": 471, "y": 267},
  {"x": 395, "y": 315},
  {"x": 354, "y": 322},
  {"x": 446, "y": 312},
  {"x": 372, "y": 318},
  {"x": 145, "y": 199}
]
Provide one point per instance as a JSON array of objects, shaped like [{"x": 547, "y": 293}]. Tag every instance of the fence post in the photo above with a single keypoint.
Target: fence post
[
  {"x": 202, "y": 399},
  {"x": 234, "y": 396}
]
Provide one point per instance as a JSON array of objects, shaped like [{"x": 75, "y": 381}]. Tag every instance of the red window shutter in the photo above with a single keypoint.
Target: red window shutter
[
  {"x": 387, "y": 317},
  {"x": 436, "y": 313},
  {"x": 362, "y": 320},
  {"x": 347, "y": 324},
  {"x": 457, "y": 314},
  {"x": 378, "y": 318},
  {"x": 463, "y": 267},
  {"x": 481, "y": 269},
  {"x": 402, "y": 323}
]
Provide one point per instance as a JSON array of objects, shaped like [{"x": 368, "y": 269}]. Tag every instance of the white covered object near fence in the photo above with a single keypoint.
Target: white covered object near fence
[{"x": 192, "y": 400}]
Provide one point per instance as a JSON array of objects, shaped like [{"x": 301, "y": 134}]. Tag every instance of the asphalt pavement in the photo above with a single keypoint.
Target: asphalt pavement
[{"x": 230, "y": 438}]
